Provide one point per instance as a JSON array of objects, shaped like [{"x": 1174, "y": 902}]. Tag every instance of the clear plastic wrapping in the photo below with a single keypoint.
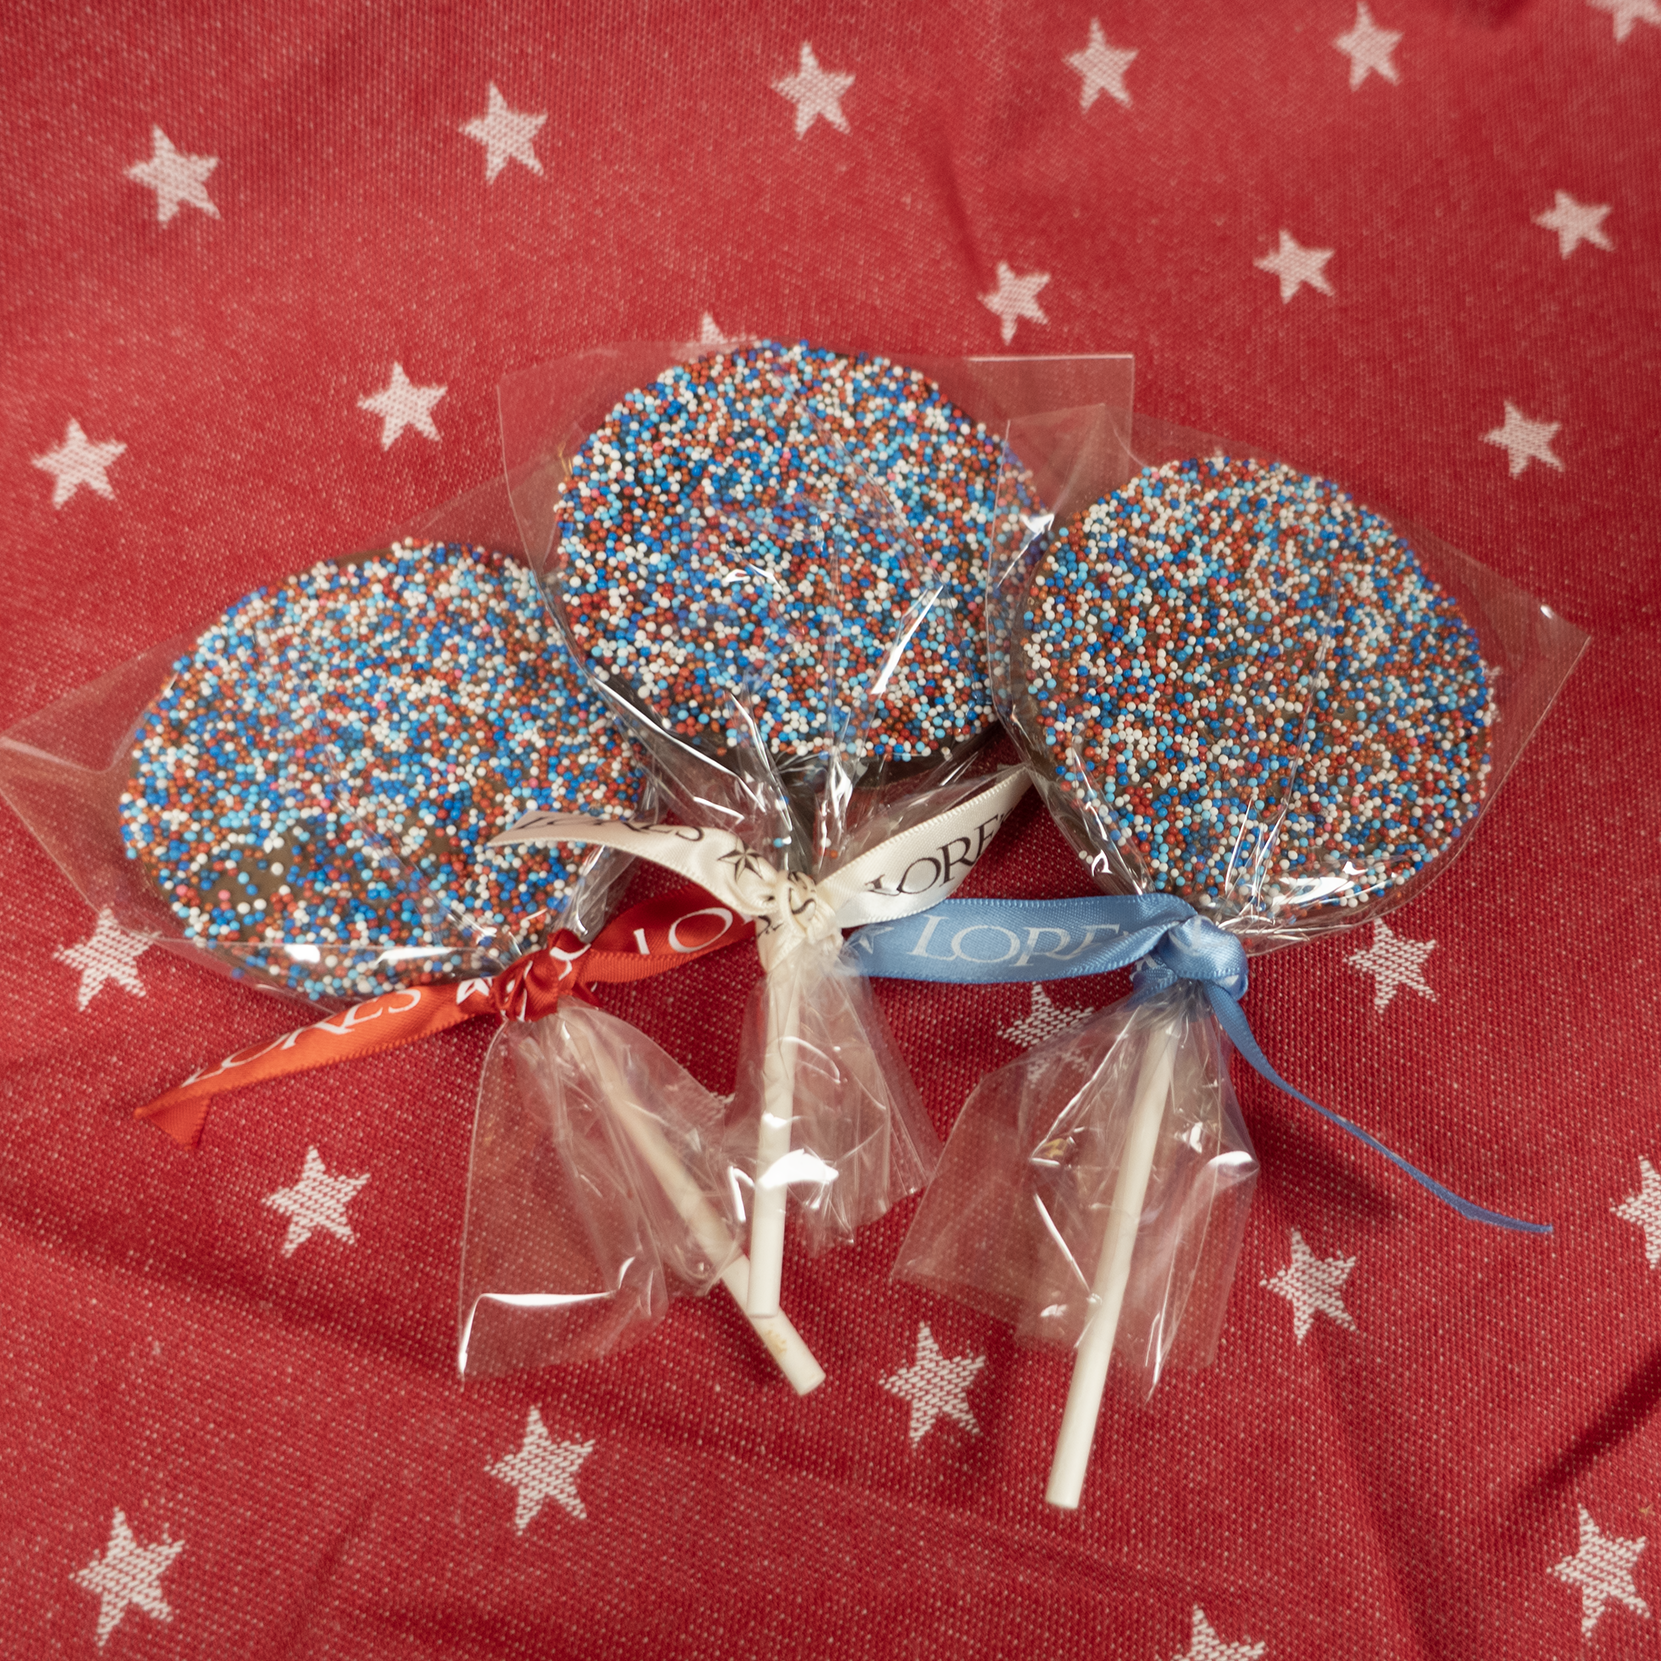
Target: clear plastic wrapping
[
  {"x": 772, "y": 563},
  {"x": 599, "y": 1188},
  {"x": 1237, "y": 687},
  {"x": 319, "y": 859}
]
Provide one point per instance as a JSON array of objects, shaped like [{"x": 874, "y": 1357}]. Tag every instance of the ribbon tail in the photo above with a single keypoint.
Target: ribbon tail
[{"x": 1232, "y": 1019}]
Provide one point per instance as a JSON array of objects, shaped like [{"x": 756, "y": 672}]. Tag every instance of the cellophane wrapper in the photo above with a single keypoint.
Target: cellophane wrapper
[
  {"x": 65, "y": 768},
  {"x": 1013, "y": 1221},
  {"x": 859, "y": 1139},
  {"x": 597, "y": 1191}
]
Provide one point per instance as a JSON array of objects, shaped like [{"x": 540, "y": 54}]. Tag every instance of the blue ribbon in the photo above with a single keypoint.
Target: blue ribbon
[{"x": 984, "y": 941}]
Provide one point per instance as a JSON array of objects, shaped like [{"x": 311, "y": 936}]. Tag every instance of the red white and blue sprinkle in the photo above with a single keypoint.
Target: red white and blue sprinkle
[
  {"x": 667, "y": 595},
  {"x": 1258, "y": 689},
  {"x": 313, "y": 790}
]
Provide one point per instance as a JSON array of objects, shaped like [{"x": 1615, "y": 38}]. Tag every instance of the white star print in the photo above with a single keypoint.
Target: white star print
[
  {"x": 1602, "y": 1569},
  {"x": 815, "y": 92},
  {"x": 1395, "y": 962},
  {"x": 1644, "y": 1209},
  {"x": 1015, "y": 298},
  {"x": 1103, "y": 68},
  {"x": 542, "y": 1469},
  {"x": 506, "y": 134},
  {"x": 316, "y": 1201},
  {"x": 1296, "y": 265},
  {"x": 1312, "y": 1285},
  {"x": 1205, "y": 1645},
  {"x": 400, "y": 403},
  {"x": 1575, "y": 223},
  {"x": 110, "y": 954},
  {"x": 78, "y": 461},
  {"x": 1524, "y": 441},
  {"x": 128, "y": 1573},
  {"x": 176, "y": 178},
  {"x": 1368, "y": 48},
  {"x": 936, "y": 1385},
  {"x": 1046, "y": 1019},
  {"x": 1628, "y": 12}
]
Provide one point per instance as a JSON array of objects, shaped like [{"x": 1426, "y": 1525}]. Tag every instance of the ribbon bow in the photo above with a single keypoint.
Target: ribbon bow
[
  {"x": 1164, "y": 936},
  {"x": 645, "y": 940}
]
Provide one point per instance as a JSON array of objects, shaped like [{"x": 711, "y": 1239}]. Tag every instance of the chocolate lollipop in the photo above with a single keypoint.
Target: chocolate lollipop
[
  {"x": 313, "y": 791},
  {"x": 774, "y": 560},
  {"x": 1259, "y": 714}
]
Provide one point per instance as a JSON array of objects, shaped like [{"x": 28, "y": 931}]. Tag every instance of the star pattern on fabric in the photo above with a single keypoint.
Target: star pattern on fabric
[
  {"x": 506, "y": 134},
  {"x": 1644, "y": 1210},
  {"x": 1628, "y": 13},
  {"x": 1524, "y": 441},
  {"x": 401, "y": 403},
  {"x": 1014, "y": 298},
  {"x": 177, "y": 179},
  {"x": 711, "y": 340},
  {"x": 1205, "y": 1645},
  {"x": 1602, "y": 1569},
  {"x": 316, "y": 1201},
  {"x": 1103, "y": 68},
  {"x": 936, "y": 1386},
  {"x": 542, "y": 1470},
  {"x": 1575, "y": 223},
  {"x": 109, "y": 953},
  {"x": 1313, "y": 1286},
  {"x": 1046, "y": 1019},
  {"x": 1296, "y": 265},
  {"x": 1368, "y": 47},
  {"x": 78, "y": 461},
  {"x": 815, "y": 92},
  {"x": 128, "y": 1574},
  {"x": 1394, "y": 961}
]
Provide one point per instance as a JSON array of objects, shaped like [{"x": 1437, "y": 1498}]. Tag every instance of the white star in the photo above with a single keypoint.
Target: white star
[
  {"x": 1644, "y": 1209},
  {"x": 1396, "y": 962},
  {"x": 1628, "y": 12},
  {"x": 400, "y": 403},
  {"x": 1524, "y": 441},
  {"x": 507, "y": 135},
  {"x": 1205, "y": 1645},
  {"x": 1312, "y": 1285},
  {"x": 1046, "y": 1019},
  {"x": 1103, "y": 68},
  {"x": 1575, "y": 223},
  {"x": 711, "y": 340},
  {"x": 815, "y": 92},
  {"x": 175, "y": 178},
  {"x": 316, "y": 1201},
  {"x": 1602, "y": 1569},
  {"x": 1015, "y": 298},
  {"x": 936, "y": 1384},
  {"x": 1296, "y": 265},
  {"x": 111, "y": 954},
  {"x": 542, "y": 1469},
  {"x": 128, "y": 1573},
  {"x": 78, "y": 461},
  {"x": 1368, "y": 47}
]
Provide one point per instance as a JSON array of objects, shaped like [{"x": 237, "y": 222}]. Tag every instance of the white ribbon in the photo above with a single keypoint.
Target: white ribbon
[{"x": 909, "y": 872}]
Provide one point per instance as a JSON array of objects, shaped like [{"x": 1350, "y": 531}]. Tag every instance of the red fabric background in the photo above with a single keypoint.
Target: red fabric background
[{"x": 1401, "y": 1486}]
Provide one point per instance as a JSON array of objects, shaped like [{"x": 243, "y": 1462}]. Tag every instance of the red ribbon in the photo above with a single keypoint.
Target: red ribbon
[{"x": 646, "y": 940}]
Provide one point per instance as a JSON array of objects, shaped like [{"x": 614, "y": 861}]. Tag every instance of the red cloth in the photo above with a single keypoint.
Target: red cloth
[{"x": 1417, "y": 1475}]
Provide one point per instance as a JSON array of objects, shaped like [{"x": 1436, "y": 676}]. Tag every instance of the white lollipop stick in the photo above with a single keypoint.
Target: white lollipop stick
[
  {"x": 785, "y": 1345},
  {"x": 1095, "y": 1347},
  {"x": 778, "y": 1107}
]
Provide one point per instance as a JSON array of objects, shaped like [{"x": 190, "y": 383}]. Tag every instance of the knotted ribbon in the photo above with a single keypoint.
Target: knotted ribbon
[
  {"x": 645, "y": 940},
  {"x": 904, "y": 874},
  {"x": 1036, "y": 940}
]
